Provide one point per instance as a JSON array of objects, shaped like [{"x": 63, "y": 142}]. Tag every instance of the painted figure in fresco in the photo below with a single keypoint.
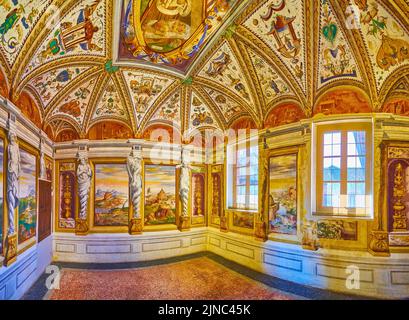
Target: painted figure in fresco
[
  {"x": 84, "y": 176},
  {"x": 134, "y": 166},
  {"x": 184, "y": 181},
  {"x": 70, "y": 36},
  {"x": 392, "y": 51},
  {"x": 13, "y": 175},
  {"x": 83, "y": 32},
  {"x": 9, "y": 23}
]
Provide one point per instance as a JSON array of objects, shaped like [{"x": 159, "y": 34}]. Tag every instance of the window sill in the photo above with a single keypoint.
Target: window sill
[
  {"x": 332, "y": 216},
  {"x": 241, "y": 210}
]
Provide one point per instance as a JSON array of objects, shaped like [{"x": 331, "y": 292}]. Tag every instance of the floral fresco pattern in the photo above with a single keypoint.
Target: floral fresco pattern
[
  {"x": 81, "y": 31},
  {"x": 17, "y": 19},
  {"x": 336, "y": 59}
]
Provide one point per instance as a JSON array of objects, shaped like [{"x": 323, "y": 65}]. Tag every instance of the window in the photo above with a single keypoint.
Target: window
[
  {"x": 343, "y": 172},
  {"x": 243, "y": 176}
]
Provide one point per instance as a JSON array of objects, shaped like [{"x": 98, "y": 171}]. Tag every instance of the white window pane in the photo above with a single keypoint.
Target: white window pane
[
  {"x": 241, "y": 199},
  {"x": 327, "y": 162},
  {"x": 336, "y": 150},
  {"x": 360, "y": 201},
  {"x": 352, "y": 163},
  {"x": 328, "y": 151},
  {"x": 352, "y": 150},
  {"x": 328, "y": 138},
  {"x": 336, "y": 138},
  {"x": 336, "y": 162}
]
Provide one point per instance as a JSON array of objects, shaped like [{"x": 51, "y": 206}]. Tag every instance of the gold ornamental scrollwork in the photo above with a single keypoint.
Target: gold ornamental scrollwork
[
  {"x": 399, "y": 215},
  {"x": 81, "y": 227}
]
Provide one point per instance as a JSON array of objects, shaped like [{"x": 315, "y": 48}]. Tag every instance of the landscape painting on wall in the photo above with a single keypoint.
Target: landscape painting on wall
[
  {"x": 337, "y": 230},
  {"x": 160, "y": 195},
  {"x": 67, "y": 192},
  {"x": 27, "y": 208},
  {"x": 111, "y": 195},
  {"x": 1, "y": 193},
  {"x": 282, "y": 208}
]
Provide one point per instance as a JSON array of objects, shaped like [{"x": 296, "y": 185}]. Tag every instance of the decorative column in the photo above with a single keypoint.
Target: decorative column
[
  {"x": 84, "y": 177},
  {"x": 184, "y": 190},
  {"x": 400, "y": 222},
  {"x": 134, "y": 167},
  {"x": 13, "y": 176},
  {"x": 262, "y": 216}
]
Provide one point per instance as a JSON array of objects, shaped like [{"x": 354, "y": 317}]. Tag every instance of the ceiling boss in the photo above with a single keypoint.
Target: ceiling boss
[{"x": 170, "y": 31}]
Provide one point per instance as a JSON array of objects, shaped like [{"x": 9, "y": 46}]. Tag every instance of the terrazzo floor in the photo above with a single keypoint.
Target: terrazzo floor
[
  {"x": 196, "y": 279},
  {"x": 201, "y": 276}
]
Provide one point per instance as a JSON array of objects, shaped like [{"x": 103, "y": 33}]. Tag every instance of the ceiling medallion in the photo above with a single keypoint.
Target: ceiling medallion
[{"x": 169, "y": 33}]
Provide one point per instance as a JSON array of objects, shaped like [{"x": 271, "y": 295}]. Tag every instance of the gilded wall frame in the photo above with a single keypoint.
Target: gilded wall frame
[
  {"x": 163, "y": 227},
  {"x": 393, "y": 151},
  {"x": 200, "y": 221},
  {"x": 215, "y": 169},
  {"x": 23, "y": 145},
  {"x": 91, "y": 213},
  {"x": 287, "y": 151}
]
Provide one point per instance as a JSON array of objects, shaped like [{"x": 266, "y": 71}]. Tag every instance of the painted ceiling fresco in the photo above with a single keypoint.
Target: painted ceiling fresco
[
  {"x": 194, "y": 64},
  {"x": 170, "y": 33}
]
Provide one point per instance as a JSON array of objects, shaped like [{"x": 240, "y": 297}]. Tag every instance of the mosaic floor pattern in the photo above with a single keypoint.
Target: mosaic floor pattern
[{"x": 197, "y": 279}]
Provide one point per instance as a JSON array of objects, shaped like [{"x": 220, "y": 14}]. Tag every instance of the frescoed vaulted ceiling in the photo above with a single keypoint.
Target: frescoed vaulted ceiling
[{"x": 73, "y": 66}]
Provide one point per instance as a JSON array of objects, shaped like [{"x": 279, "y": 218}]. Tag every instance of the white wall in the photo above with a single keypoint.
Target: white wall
[{"x": 16, "y": 279}]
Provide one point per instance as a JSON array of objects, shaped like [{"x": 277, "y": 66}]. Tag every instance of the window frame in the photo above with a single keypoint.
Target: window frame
[
  {"x": 246, "y": 144},
  {"x": 317, "y": 179}
]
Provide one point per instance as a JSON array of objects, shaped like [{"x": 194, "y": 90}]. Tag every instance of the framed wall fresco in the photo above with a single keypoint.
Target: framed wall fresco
[
  {"x": 160, "y": 195},
  {"x": 216, "y": 195},
  {"x": 66, "y": 197},
  {"x": 198, "y": 195},
  {"x": 396, "y": 197},
  {"x": 243, "y": 219},
  {"x": 111, "y": 195},
  {"x": 283, "y": 201},
  {"x": 337, "y": 230},
  {"x": 27, "y": 208}
]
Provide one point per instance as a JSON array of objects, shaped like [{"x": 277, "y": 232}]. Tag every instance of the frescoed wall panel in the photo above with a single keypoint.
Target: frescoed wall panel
[
  {"x": 397, "y": 193},
  {"x": 283, "y": 194},
  {"x": 160, "y": 195},
  {"x": 337, "y": 230},
  {"x": 27, "y": 208},
  {"x": 67, "y": 196},
  {"x": 243, "y": 220},
  {"x": 111, "y": 205},
  {"x": 198, "y": 186},
  {"x": 216, "y": 199}
]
